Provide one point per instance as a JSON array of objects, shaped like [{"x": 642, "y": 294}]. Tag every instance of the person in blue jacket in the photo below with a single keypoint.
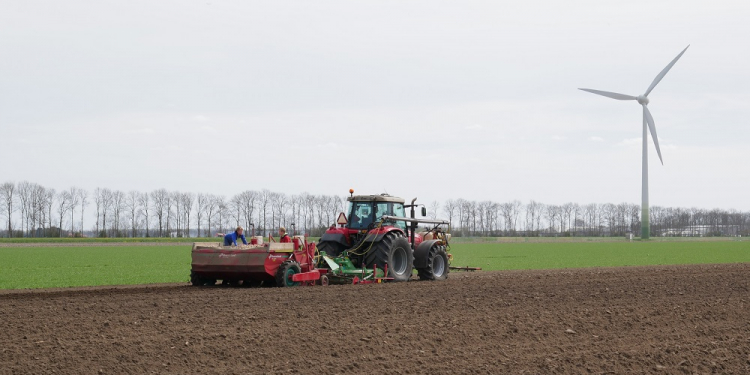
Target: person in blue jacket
[{"x": 231, "y": 238}]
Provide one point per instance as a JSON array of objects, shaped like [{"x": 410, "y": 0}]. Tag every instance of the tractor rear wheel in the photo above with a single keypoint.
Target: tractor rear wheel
[
  {"x": 437, "y": 264},
  {"x": 332, "y": 249},
  {"x": 394, "y": 251},
  {"x": 285, "y": 272}
]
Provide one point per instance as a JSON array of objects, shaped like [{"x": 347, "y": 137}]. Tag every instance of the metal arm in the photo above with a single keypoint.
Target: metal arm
[{"x": 414, "y": 220}]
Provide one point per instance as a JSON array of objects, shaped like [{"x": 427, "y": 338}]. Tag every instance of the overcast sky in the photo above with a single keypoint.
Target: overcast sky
[{"x": 432, "y": 99}]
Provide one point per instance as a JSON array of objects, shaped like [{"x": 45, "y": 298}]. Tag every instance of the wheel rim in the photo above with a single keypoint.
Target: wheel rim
[
  {"x": 438, "y": 266},
  {"x": 288, "y": 276},
  {"x": 399, "y": 261}
]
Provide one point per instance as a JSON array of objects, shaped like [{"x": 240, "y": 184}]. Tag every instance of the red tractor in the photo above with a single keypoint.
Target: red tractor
[{"x": 375, "y": 232}]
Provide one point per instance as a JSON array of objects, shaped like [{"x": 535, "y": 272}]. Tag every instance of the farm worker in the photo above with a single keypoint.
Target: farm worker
[
  {"x": 283, "y": 237},
  {"x": 231, "y": 238}
]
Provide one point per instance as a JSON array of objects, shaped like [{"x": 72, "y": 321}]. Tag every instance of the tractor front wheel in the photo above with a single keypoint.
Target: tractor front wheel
[
  {"x": 437, "y": 264},
  {"x": 285, "y": 272},
  {"x": 332, "y": 249},
  {"x": 394, "y": 251}
]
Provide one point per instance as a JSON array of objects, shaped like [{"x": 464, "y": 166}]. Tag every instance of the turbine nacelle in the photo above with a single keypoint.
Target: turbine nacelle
[{"x": 642, "y": 99}]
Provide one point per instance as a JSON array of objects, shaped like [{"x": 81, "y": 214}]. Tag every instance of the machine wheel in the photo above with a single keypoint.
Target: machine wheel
[
  {"x": 396, "y": 252},
  {"x": 332, "y": 249},
  {"x": 285, "y": 272},
  {"x": 437, "y": 264},
  {"x": 196, "y": 279},
  {"x": 323, "y": 280}
]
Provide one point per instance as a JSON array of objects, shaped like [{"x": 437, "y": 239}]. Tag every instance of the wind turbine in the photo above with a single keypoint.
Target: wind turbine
[{"x": 648, "y": 121}]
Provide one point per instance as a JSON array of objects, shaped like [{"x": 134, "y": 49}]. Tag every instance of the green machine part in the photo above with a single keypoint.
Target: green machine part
[{"x": 343, "y": 270}]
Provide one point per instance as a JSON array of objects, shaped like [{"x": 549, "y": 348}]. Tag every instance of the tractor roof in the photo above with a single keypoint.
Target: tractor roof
[{"x": 375, "y": 198}]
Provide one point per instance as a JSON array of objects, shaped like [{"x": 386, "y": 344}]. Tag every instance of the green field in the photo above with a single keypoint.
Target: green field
[
  {"x": 68, "y": 240},
  {"x": 45, "y": 266},
  {"x": 507, "y": 256}
]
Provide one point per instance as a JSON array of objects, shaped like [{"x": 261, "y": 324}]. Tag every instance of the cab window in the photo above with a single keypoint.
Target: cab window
[
  {"x": 360, "y": 215},
  {"x": 392, "y": 209}
]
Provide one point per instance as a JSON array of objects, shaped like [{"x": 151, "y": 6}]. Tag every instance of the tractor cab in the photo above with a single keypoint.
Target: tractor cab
[{"x": 366, "y": 211}]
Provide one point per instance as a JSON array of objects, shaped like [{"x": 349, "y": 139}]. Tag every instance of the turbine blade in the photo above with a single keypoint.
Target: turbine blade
[
  {"x": 612, "y": 95},
  {"x": 652, "y": 128},
  {"x": 664, "y": 72}
]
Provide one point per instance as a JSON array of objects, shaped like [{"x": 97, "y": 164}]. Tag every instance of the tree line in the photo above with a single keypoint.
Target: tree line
[
  {"x": 493, "y": 219},
  {"x": 32, "y": 210}
]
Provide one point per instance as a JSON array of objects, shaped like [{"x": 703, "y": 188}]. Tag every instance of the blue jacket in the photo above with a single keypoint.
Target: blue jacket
[{"x": 231, "y": 239}]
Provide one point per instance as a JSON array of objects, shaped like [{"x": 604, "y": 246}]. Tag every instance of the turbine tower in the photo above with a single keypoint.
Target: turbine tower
[{"x": 648, "y": 122}]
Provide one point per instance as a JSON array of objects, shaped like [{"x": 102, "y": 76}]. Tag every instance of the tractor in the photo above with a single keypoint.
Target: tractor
[
  {"x": 375, "y": 233},
  {"x": 376, "y": 242}
]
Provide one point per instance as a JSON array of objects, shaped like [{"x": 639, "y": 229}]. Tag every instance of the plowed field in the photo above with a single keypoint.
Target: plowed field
[{"x": 667, "y": 319}]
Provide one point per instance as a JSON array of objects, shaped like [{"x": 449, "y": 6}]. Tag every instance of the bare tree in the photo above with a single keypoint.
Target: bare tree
[
  {"x": 187, "y": 200},
  {"x": 74, "y": 200},
  {"x": 434, "y": 207},
  {"x": 143, "y": 202},
  {"x": 248, "y": 199},
  {"x": 201, "y": 205},
  {"x": 265, "y": 202},
  {"x": 551, "y": 212},
  {"x": 278, "y": 209},
  {"x": 510, "y": 211},
  {"x": 7, "y": 198},
  {"x": 118, "y": 206},
  {"x": 133, "y": 205},
  {"x": 567, "y": 210},
  {"x": 309, "y": 204},
  {"x": 168, "y": 205},
  {"x": 63, "y": 206},
  {"x": 221, "y": 210},
  {"x": 48, "y": 199},
  {"x": 212, "y": 206},
  {"x": 450, "y": 209},
  {"x": 24, "y": 197},
  {"x": 533, "y": 215},
  {"x": 83, "y": 199},
  {"x": 160, "y": 197},
  {"x": 106, "y": 208},
  {"x": 98, "y": 202},
  {"x": 235, "y": 209}
]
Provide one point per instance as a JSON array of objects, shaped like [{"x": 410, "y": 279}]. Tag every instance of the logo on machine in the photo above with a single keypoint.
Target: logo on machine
[{"x": 222, "y": 255}]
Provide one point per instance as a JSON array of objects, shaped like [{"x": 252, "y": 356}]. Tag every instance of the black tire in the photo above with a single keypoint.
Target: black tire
[
  {"x": 332, "y": 249},
  {"x": 285, "y": 272},
  {"x": 394, "y": 251},
  {"x": 437, "y": 264},
  {"x": 196, "y": 279}
]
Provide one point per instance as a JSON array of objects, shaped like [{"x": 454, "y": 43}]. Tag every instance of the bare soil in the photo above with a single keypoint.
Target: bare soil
[{"x": 667, "y": 319}]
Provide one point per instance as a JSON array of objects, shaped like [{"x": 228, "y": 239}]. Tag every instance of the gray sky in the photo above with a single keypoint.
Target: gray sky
[{"x": 417, "y": 98}]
